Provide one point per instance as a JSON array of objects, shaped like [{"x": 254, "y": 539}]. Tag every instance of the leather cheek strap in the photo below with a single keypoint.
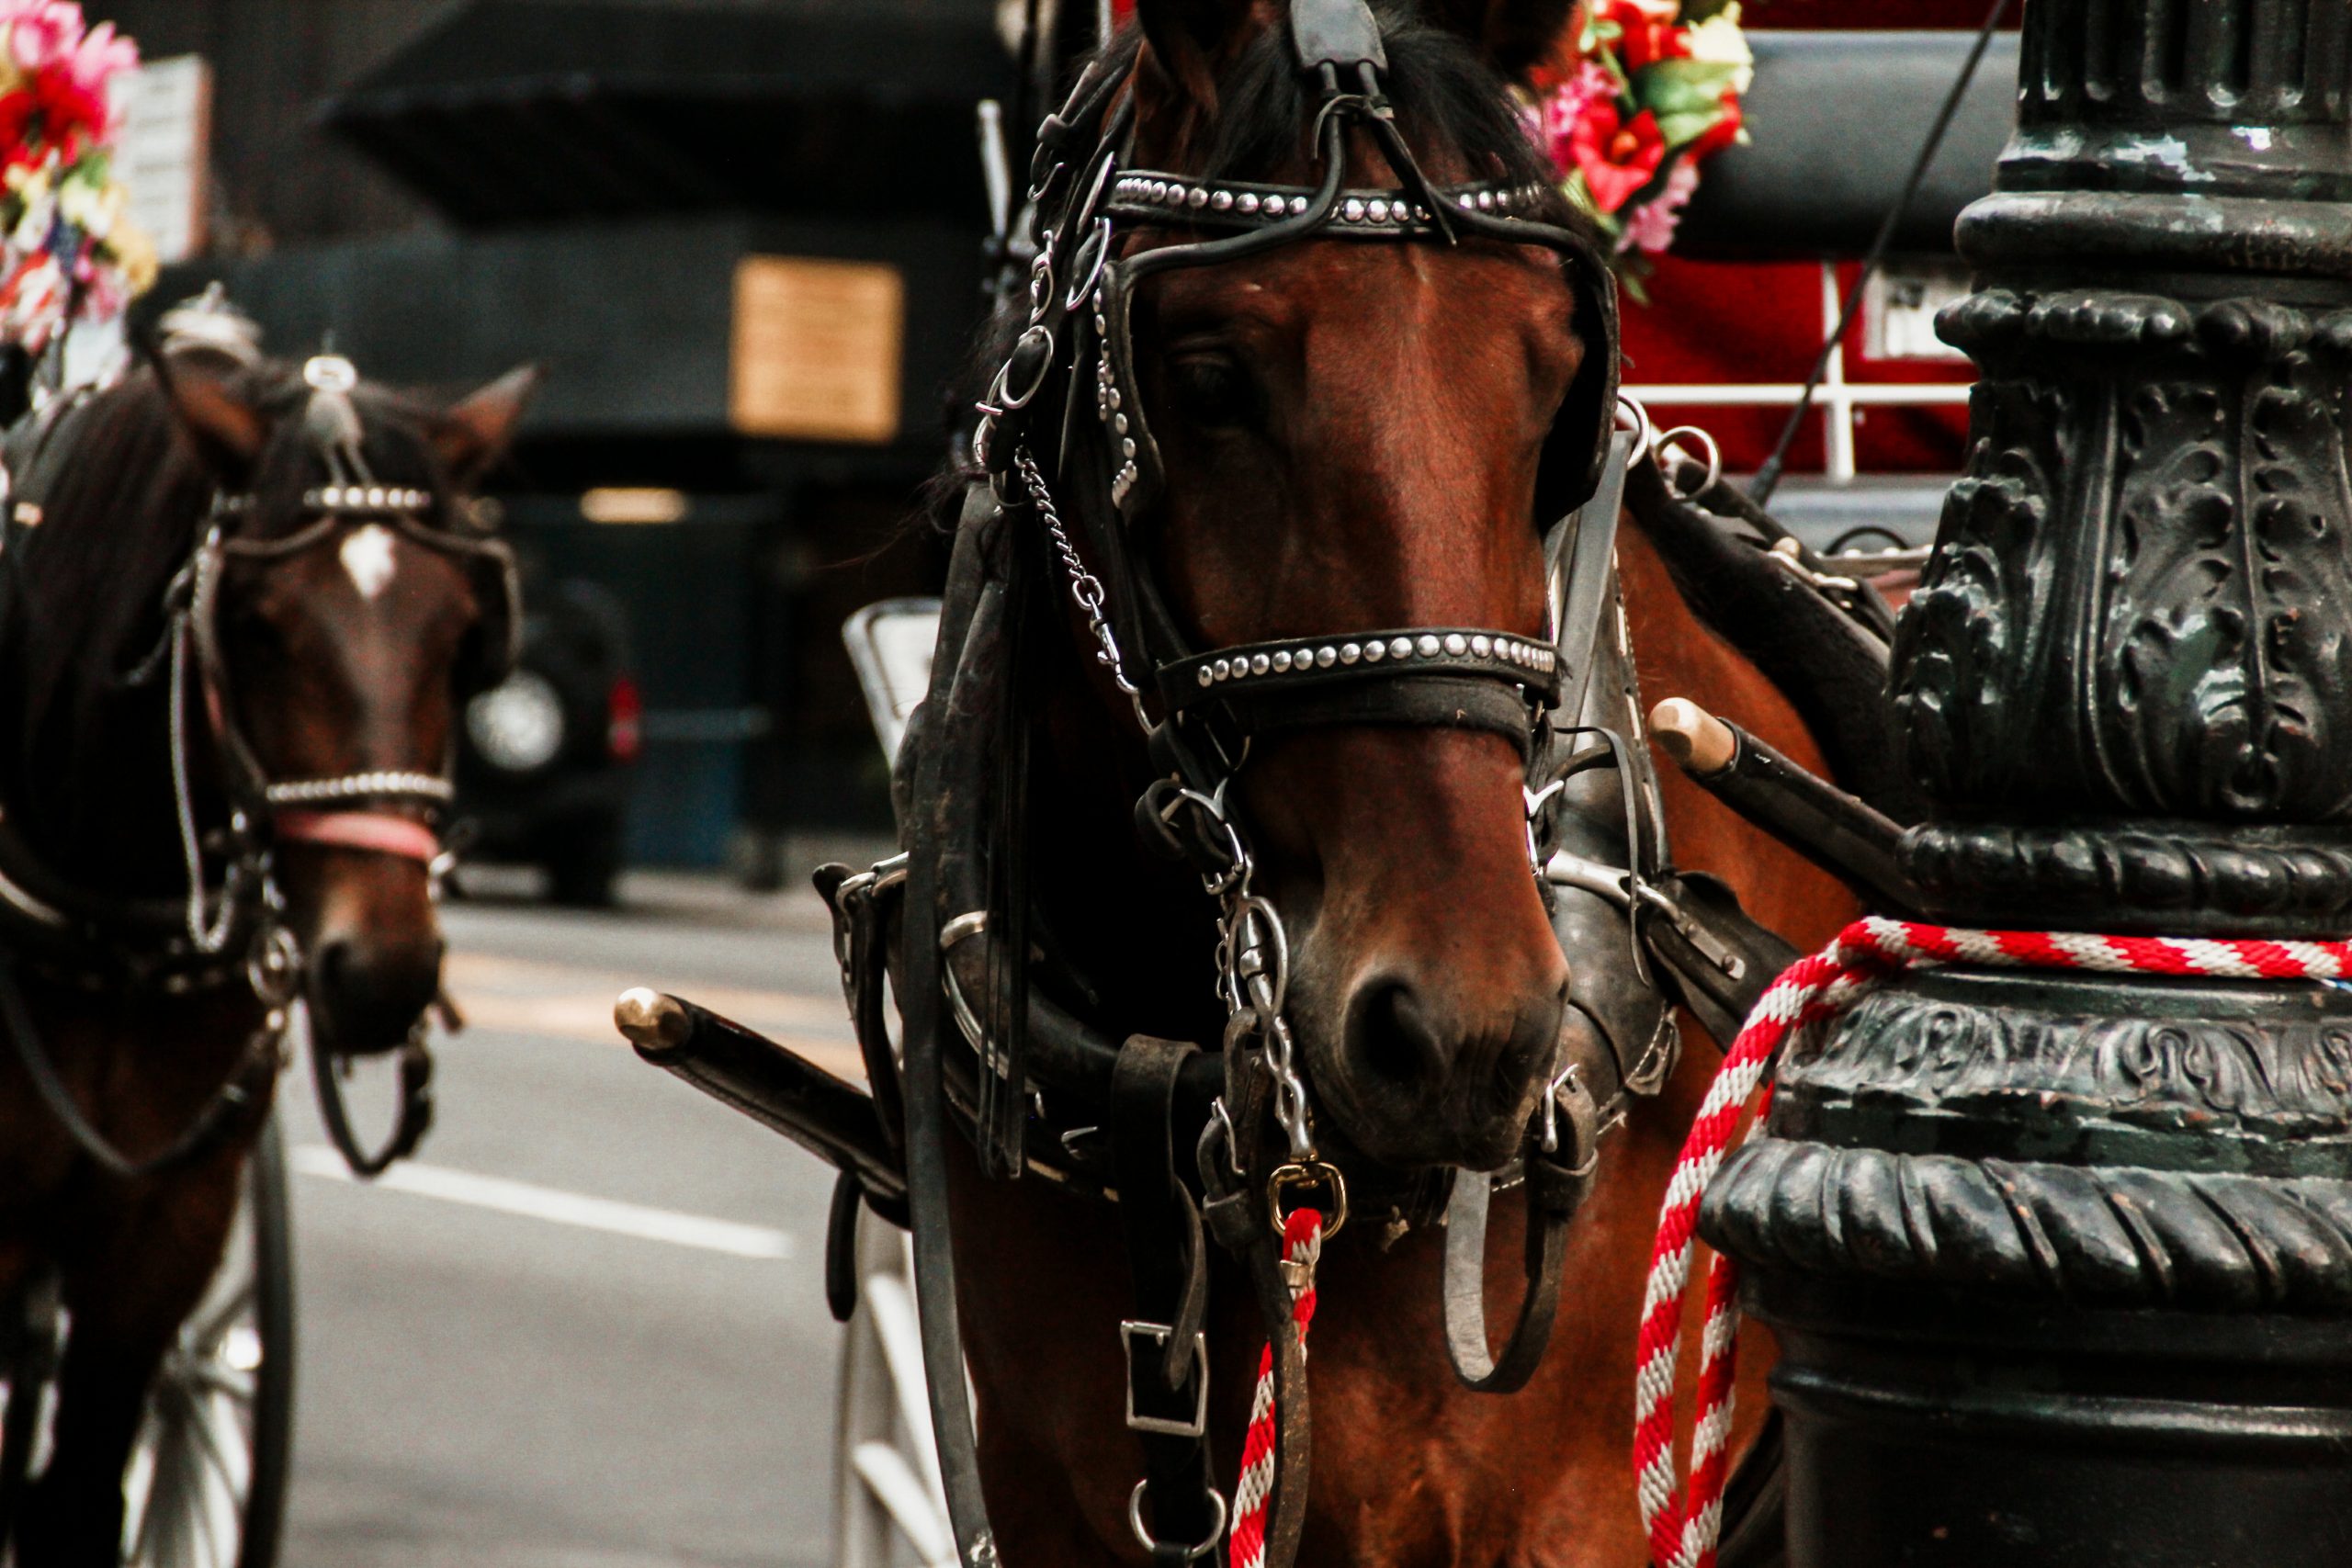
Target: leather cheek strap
[{"x": 380, "y": 832}]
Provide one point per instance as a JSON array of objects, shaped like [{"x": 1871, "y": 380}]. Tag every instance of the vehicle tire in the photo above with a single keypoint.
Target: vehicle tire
[
  {"x": 889, "y": 1508},
  {"x": 207, "y": 1482},
  {"x": 582, "y": 874}
]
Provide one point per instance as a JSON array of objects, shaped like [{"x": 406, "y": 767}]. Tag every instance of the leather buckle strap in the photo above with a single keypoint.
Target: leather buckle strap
[
  {"x": 1169, "y": 1355},
  {"x": 1167, "y": 1257}
]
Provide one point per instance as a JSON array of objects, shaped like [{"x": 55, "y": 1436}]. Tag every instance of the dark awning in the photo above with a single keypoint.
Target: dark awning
[
  {"x": 1837, "y": 120},
  {"x": 530, "y": 110}
]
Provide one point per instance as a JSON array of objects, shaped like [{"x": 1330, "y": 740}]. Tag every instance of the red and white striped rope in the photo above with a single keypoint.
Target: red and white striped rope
[
  {"x": 1683, "y": 1527},
  {"x": 1302, "y": 1244}
]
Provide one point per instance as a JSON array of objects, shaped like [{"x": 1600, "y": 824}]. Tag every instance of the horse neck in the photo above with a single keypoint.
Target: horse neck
[
  {"x": 1678, "y": 656},
  {"x": 87, "y": 781}
]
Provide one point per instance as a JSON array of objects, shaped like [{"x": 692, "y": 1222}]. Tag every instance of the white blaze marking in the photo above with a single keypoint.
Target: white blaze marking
[
  {"x": 367, "y": 557},
  {"x": 555, "y": 1206}
]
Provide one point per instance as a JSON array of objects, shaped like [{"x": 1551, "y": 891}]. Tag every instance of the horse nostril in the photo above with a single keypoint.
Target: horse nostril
[
  {"x": 1390, "y": 1041},
  {"x": 372, "y": 993}
]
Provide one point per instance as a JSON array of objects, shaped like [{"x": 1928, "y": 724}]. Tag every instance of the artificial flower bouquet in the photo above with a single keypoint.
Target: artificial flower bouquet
[
  {"x": 67, "y": 252},
  {"x": 1653, "y": 91}
]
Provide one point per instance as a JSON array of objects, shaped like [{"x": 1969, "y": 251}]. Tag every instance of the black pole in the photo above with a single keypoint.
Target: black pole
[{"x": 2062, "y": 1267}]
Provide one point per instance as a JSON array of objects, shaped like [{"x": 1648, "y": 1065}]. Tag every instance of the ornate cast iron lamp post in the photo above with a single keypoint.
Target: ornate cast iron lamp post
[{"x": 2063, "y": 1265}]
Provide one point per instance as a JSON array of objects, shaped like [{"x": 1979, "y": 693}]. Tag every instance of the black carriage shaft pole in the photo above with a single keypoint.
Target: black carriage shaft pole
[{"x": 2060, "y": 1265}]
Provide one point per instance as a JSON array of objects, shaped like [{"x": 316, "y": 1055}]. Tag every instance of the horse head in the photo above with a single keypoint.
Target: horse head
[
  {"x": 343, "y": 606},
  {"x": 1357, "y": 435}
]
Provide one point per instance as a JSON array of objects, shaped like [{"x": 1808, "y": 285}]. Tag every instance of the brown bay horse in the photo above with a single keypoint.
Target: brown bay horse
[
  {"x": 1347, "y": 435},
  {"x": 238, "y": 605}
]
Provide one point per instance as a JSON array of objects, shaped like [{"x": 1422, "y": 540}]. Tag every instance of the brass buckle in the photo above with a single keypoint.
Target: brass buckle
[{"x": 1310, "y": 1174}]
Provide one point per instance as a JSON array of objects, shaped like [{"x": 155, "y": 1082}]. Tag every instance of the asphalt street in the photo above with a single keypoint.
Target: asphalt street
[{"x": 586, "y": 1327}]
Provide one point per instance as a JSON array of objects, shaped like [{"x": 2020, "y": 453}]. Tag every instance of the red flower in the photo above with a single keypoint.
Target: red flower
[
  {"x": 1723, "y": 133},
  {"x": 1616, "y": 157},
  {"x": 1647, "y": 32},
  {"x": 71, "y": 114},
  {"x": 17, "y": 111}
]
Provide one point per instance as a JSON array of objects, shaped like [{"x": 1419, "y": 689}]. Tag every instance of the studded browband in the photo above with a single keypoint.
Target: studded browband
[
  {"x": 1304, "y": 661},
  {"x": 1447, "y": 677},
  {"x": 1147, "y": 196}
]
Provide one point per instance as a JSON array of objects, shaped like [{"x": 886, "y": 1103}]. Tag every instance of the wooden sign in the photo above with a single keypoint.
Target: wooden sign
[
  {"x": 817, "y": 349},
  {"x": 164, "y": 150}
]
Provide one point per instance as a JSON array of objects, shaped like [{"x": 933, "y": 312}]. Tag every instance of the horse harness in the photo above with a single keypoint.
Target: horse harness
[
  {"x": 1567, "y": 700},
  {"x": 231, "y": 928}
]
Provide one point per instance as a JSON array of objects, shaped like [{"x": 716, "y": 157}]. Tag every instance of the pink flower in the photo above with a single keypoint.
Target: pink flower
[
  {"x": 1557, "y": 115},
  {"x": 100, "y": 57},
  {"x": 1649, "y": 228},
  {"x": 44, "y": 33}
]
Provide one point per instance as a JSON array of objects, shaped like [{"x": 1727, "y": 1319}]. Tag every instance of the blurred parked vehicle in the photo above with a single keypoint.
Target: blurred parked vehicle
[{"x": 545, "y": 758}]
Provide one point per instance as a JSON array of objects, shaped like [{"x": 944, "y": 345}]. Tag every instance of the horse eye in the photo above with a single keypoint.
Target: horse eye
[{"x": 1212, "y": 392}]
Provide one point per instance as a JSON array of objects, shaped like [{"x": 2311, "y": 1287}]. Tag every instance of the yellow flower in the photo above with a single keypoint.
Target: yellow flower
[
  {"x": 134, "y": 253},
  {"x": 1718, "y": 41}
]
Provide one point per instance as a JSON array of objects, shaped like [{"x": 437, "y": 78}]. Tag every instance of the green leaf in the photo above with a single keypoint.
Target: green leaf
[{"x": 1683, "y": 86}]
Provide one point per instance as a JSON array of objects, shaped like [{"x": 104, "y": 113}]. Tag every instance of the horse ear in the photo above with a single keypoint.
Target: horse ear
[
  {"x": 1188, "y": 39},
  {"x": 475, "y": 433},
  {"x": 227, "y": 432},
  {"x": 1514, "y": 35}
]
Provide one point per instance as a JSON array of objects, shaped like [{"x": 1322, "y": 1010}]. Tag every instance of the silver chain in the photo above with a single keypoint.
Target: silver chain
[
  {"x": 1253, "y": 952},
  {"x": 1084, "y": 586}
]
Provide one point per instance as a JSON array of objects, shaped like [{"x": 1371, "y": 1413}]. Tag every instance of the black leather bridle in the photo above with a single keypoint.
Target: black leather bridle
[{"x": 1064, "y": 411}]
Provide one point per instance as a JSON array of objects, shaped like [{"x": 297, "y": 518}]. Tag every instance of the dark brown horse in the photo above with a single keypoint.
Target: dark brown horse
[
  {"x": 1352, "y": 436},
  {"x": 237, "y": 607}
]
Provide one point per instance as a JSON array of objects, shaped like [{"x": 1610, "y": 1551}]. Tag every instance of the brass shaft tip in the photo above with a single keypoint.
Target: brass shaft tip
[
  {"x": 651, "y": 1019},
  {"x": 1700, "y": 743}
]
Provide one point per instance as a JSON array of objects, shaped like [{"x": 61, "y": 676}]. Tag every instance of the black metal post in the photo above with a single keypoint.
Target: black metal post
[{"x": 2062, "y": 1267}]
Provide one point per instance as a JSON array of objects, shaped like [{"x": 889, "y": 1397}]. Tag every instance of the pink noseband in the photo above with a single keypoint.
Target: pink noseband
[{"x": 379, "y": 831}]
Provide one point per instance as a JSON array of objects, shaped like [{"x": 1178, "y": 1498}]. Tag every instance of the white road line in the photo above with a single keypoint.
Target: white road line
[{"x": 555, "y": 1206}]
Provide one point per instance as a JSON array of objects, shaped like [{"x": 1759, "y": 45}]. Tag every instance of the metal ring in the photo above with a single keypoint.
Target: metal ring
[
  {"x": 1235, "y": 855},
  {"x": 1001, "y": 398},
  {"x": 1714, "y": 457},
  {"x": 1083, "y": 214},
  {"x": 1143, "y": 1534},
  {"x": 1092, "y": 259},
  {"x": 1632, "y": 418},
  {"x": 274, "y": 967},
  {"x": 1319, "y": 1173}
]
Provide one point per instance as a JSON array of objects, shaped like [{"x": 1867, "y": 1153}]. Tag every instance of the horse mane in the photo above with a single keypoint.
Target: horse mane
[{"x": 123, "y": 494}]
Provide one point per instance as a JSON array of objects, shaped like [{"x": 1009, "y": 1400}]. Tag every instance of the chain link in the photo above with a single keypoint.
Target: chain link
[
  {"x": 1253, "y": 952},
  {"x": 1084, "y": 586}
]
